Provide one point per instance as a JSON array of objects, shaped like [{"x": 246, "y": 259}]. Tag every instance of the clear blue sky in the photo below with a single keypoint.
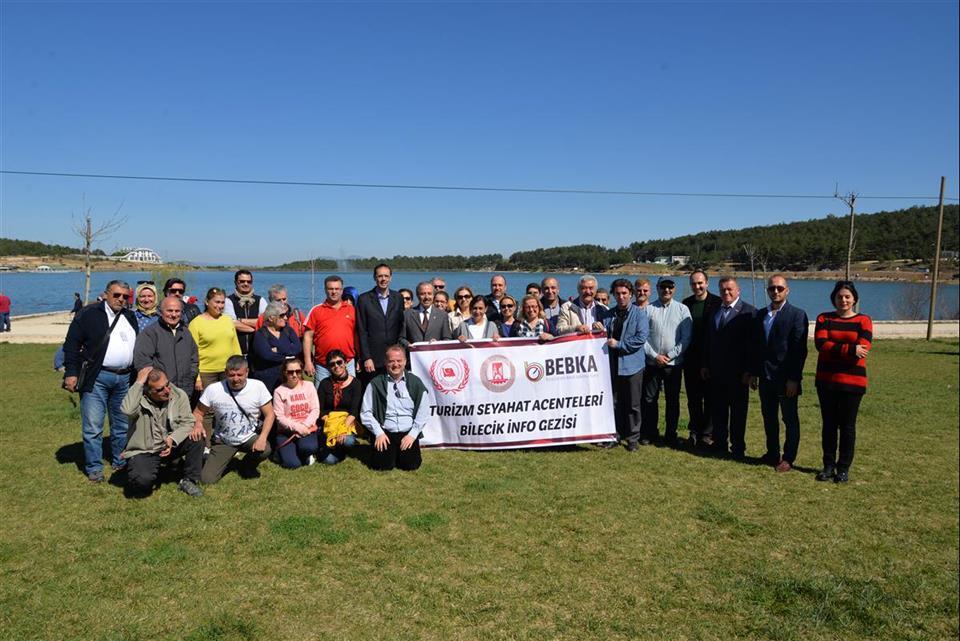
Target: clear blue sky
[{"x": 740, "y": 97}]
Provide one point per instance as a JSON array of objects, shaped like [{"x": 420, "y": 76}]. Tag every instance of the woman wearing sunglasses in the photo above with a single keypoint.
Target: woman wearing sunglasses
[
  {"x": 507, "y": 325},
  {"x": 461, "y": 308},
  {"x": 340, "y": 399},
  {"x": 296, "y": 407},
  {"x": 273, "y": 343}
]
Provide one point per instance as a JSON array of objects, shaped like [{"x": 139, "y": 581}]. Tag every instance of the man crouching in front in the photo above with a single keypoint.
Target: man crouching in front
[
  {"x": 160, "y": 422},
  {"x": 395, "y": 409},
  {"x": 237, "y": 404}
]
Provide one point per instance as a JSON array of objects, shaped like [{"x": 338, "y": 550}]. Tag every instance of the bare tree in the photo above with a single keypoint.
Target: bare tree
[{"x": 92, "y": 233}]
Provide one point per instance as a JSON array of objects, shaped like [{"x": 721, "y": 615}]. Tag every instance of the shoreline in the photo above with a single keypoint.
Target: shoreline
[{"x": 50, "y": 328}]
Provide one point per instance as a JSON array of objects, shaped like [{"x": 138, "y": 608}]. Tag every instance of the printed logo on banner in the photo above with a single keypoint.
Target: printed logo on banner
[
  {"x": 450, "y": 375},
  {"x": 533, "y": 371},
  {"x": 497, "y": 373}
]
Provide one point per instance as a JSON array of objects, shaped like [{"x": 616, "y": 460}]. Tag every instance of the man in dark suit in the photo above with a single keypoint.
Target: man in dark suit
[
  {"x": 498, "y": 289},
  {"x": 99, "y": 345},
  {"x": 702, "y": 304},
  {"x": 779, "y": 351},
  {"x": 726, "y": 364},
  {"x": 379, "y": 322},
  {"x": 424, "y": 322}
]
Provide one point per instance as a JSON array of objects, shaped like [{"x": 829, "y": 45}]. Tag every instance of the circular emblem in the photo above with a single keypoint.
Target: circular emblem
[
  {"x": 449, "y": 375},
  {"x": 497, "y": 373},
  {"x": 533, "y": 371}
]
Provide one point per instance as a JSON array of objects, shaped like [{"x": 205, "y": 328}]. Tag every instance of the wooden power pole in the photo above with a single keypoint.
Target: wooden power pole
[
  {"x": 936, "y": 265},
  {"x": 850, "y": 200}
]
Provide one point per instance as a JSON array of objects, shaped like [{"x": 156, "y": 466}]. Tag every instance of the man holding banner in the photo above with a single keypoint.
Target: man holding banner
[
  {"x": 395, "y": 409},
  {"x": 627, "y": 327}
]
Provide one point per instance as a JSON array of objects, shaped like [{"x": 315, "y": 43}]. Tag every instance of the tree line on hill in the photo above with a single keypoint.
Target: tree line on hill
[
  {"x": 807, "y": 245},
  {"x": 15, "y": 247}
]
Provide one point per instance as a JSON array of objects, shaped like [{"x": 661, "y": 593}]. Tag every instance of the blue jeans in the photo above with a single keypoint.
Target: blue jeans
[
  {"x": 295, "y": 453},
  {"x": 336, "y": 454},
  {"x": 4, "y": 321},
  {"x": 322, "y": 372},
  {"x": 107, "y": 395}
]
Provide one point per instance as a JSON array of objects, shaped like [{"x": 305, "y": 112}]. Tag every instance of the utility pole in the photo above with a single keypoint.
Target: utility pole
[
  {"x": 936, "y": 265},
  {"x": 850, "y": 200}
]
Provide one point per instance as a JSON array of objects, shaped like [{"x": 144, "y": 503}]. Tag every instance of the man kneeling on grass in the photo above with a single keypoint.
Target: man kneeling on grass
[
  {"x": 160, "y": 423},
  {"x": 237, "y": 404},
  {"x": 395, "y": 409}
]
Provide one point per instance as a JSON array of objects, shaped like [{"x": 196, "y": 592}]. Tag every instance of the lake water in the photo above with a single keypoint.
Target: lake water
[{"x": 35, "y": 292}]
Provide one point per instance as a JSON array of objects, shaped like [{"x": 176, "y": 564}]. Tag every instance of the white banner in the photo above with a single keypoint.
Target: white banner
[{"x": 516, "y": 392}]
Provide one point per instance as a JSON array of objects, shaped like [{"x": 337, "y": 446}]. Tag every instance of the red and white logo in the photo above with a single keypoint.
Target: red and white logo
[
  {"x": 450, "y": 375},
  {"x": 497, "y": 373}
]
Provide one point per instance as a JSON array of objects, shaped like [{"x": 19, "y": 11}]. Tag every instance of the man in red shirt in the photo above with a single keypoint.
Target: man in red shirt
[
  {"x": 330, "y": 325},
  {"x": 4, "y": 312}
]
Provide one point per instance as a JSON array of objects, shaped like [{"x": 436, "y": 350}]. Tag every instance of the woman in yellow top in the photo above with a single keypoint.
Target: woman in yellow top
[{"x": 216, "y": 339}]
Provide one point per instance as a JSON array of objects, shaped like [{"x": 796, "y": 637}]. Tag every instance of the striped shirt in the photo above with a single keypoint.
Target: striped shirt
[{"x": 836, "y": 339}]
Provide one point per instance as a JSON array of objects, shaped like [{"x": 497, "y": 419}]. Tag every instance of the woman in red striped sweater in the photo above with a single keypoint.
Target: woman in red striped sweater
[{"x": 843, "y": 341}]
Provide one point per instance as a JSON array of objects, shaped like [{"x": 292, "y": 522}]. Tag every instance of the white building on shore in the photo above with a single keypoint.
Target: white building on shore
[{"x": 142, "y": 255}]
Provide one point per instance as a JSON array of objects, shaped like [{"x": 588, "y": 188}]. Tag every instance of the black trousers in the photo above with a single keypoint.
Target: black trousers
[
  {"x": 143, "y": 469},
  {"x": 393, "y": 457},
  {"x": 839, "y": 413},
  {"x": 670, "y": 377},
  {"x": 627, "y": 406},
  {"x": 729, "y": 399},
  {"x": 698, "y": 400}
]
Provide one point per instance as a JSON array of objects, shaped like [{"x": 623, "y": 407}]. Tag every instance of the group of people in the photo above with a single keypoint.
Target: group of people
[{"x": 204, "y": 385}]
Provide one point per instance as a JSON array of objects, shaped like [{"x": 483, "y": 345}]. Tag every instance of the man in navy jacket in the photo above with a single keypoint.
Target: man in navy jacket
[
  {"x": 727, "y": 348},
  {"x": 104, "y": 349},
  {"x": 779, "y": 351},
  {"x": 379, "y": 323}
]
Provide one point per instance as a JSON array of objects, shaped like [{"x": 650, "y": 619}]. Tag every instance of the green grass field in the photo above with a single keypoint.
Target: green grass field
[{"x": 580, "y": 544}]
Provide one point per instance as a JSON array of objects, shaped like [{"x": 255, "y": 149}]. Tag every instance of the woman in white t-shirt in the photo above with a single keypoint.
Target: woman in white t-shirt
[{"x": 477, "y": 327}]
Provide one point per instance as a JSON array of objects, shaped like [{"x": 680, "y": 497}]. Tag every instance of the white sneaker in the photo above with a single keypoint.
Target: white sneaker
[{"x": 311, "y": 459}]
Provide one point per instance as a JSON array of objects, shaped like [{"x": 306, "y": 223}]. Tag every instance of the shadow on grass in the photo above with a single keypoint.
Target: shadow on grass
[{"x": 225, "y": 627}]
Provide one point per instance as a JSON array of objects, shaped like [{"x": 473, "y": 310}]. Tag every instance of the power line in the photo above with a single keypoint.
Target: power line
[{"x": 529, "y": 190}]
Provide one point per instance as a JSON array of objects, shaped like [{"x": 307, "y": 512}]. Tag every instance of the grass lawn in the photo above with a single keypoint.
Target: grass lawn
[{"x": 579, "y": 544}]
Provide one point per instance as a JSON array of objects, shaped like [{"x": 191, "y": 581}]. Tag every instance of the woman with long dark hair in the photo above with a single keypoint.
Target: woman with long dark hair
[{"x": 843, "y": 339}]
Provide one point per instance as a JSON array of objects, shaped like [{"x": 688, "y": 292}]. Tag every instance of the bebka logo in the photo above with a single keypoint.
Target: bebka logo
[
  {"x": 497, "y": 373},
  {"x": 533, "y": 371},
  {"x": 450, "y": 375}
]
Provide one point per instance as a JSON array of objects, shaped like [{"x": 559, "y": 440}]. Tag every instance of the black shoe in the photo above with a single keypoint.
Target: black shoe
[
  {"x": 671, "y": 440},
  {"x": 826, "y": 474},
  {"x": 645, "y": 441},
  {"x": 632, "y": 447},
  {"x": 841, "y": 477},
  {"x": 607, "y": 445},
  {"x": 189, "y": 488}
]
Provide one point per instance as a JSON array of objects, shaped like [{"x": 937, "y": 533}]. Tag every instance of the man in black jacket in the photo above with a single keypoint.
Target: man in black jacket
[
  {"x": 779, "y": 351},
  {"x": 702, "y": 305},
  {"x": 379, "y": 322},
  {"x": 727, "y": 349},
  {"x": 98, "y": 362}
]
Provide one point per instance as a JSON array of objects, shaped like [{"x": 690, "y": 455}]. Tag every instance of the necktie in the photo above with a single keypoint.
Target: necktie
[{"x": 425, "y": 321}]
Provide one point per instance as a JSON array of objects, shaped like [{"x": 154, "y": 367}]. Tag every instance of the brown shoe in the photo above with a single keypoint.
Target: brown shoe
[{"x": 783, "y": 466}]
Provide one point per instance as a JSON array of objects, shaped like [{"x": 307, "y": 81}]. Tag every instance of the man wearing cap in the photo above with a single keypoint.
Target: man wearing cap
[{"x": 669, "y": 337}]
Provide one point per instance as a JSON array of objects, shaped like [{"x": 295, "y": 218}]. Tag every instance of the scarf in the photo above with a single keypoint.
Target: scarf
[
  {"x": 245, "y": 299},
  {"x": 156, "y": 300}
]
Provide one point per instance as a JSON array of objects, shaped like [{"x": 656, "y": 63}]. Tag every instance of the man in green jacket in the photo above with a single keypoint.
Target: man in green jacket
[{"x": 160, "y": 421}]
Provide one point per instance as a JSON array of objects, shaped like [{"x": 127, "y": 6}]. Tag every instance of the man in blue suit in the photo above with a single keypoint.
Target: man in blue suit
[
  {"x": 779, "y": 351},
  {"x": 727, "y": 349},
  {"x": 627, "y": 327}
]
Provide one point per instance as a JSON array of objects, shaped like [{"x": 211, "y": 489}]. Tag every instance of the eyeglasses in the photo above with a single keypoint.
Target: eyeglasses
[
  {"x": 294, "y": 372},
  {"x": 463, "y": 296},
  {"x": 336, "y": 363},
  {"x": 667, "y": 287},
  {"x": 776, "y": 288},
  {"x": 507, "y": 306},
  {"x": 145, "y": 282},
  {"x": 245, "y": 281},
  {"x": 406, "y": 298},
  {"x": 175, "y": 291},
  {"x": 118, "y": 295},
  {"x": 440, "y": 287}
]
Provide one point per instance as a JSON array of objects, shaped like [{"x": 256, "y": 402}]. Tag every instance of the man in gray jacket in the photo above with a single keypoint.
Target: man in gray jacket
[
  {"x": 671, "y": 328},
  {"x": 169, "y": 346},
  {"x": 160, "y": 422}
]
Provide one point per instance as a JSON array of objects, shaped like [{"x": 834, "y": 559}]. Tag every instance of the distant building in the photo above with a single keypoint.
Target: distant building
[
  {"x": 142, "y": 255},
  {"x": 44, "y": 268},
  {"x": 671, "y": 260}
]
